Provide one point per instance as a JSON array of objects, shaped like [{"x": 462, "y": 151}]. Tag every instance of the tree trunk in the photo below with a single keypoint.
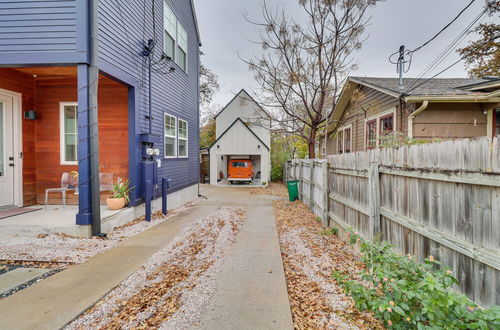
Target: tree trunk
[{"x": 311, "y": 143}]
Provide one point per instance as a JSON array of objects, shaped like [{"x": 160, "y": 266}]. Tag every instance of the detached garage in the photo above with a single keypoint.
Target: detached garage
[{"x": 241, "y": 151}]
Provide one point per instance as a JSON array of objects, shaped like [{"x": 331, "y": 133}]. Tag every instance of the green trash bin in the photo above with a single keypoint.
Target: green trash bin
[{"x": 293, "y": 190}]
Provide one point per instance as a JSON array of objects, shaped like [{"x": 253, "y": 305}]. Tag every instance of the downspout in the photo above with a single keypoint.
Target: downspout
[{"x": 413, "y": 115}]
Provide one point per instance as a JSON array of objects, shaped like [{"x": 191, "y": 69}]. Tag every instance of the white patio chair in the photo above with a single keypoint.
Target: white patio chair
[
  {"x": 105, "y": 181},
  {"x": 68, "y": 182}
]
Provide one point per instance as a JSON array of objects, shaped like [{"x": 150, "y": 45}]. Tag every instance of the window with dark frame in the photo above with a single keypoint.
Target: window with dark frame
[
  {"x": 340, "y": 139},
  {"x": 497, "y": 122},
  {"x": 371, "y": 134},
  {"x": 347, "y": 140},
  {"x": 386, "y": 124}
]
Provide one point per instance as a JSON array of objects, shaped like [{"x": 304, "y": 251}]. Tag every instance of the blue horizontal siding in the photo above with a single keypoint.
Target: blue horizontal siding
[
  {"x": 124, "y": 27},
  {"x": 37, "y": 26}
]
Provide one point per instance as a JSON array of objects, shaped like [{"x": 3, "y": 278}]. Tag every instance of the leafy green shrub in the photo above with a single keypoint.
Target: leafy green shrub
[
  {"x": 406, "y": 294},
  {"x": 331, "y": 231}
]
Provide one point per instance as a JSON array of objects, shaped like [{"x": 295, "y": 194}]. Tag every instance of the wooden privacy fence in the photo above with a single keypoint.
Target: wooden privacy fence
[{"x": 440, "y": 199}]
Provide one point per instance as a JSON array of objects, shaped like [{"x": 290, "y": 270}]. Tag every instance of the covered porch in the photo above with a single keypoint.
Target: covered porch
[{"x": 41, "y": 103}]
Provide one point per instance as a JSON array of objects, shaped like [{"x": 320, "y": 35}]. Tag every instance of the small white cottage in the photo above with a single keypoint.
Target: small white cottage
[{"x": 242, "y": 132}]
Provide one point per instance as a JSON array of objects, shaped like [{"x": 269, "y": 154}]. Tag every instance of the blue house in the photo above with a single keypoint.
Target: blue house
[{"x": 140, "y": 58}]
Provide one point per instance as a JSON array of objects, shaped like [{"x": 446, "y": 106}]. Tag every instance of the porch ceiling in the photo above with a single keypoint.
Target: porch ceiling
[{"x": 49, "y": 72}]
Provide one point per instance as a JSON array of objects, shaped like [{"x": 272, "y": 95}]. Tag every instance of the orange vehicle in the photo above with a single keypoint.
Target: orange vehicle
[{"x": 240, "y": 170}]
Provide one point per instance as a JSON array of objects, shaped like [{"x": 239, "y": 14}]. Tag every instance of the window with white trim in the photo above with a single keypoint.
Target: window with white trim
[
  {"x": 378, "y": 127},
  {"x": 182, "y": 137},
  {"x": 68, "y": 123},
  {"x": 344, "y": 139},
  {"x": 170, "y": 136},
  {"x": 170, "y": 27},
  {"x": 371, "y": 133},
  {"x": 175, "y": 42},
  {"x": 182, "y": 46},
  {"x": 497, "y": 122}
]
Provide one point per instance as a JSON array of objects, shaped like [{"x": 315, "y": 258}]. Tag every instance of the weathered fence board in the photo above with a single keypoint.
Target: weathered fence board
[{"x": 440, "y": 199}]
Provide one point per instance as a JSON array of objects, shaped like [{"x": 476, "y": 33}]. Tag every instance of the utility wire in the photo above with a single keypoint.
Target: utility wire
[
  {"x": 448, "y": 67},
  {"x": 446, "y": 52},
  {"x": 444, "y": 28}
]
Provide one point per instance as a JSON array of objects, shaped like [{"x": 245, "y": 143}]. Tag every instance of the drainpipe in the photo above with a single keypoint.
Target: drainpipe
[
  {"x": 93, "y": 118},
  {"x": 413, "y": 115}
]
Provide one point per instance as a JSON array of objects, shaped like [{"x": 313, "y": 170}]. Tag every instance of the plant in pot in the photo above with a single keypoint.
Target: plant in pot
[{"x": 120, "y": 197}]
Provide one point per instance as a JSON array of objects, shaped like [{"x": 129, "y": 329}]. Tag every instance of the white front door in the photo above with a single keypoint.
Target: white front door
[{"x": 6, "y": 151}]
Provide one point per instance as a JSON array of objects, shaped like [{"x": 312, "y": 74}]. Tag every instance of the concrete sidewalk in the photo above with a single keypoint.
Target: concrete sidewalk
[{"x": 251, "y": 285}]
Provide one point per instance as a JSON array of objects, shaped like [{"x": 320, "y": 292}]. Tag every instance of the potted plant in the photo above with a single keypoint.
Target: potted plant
[{"x": 120, "y": 197}]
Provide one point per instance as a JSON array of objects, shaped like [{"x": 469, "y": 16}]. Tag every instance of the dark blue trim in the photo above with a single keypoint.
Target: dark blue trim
[
  {"x": 84, "y": 216},
  {"x": 33, "y": 59},
  {"x": 117, "y": 74},
  {"x": 82, "y": 31},
  {"x": 134, "y": 151}
]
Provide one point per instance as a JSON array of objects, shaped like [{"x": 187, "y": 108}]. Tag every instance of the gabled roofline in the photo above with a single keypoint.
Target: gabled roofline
[
  {"x": 230, "y": 126},
  {"x": 376, "y": 87},
  {"x": 196, "y": 22},
  {"x": 234, "y": 97}
]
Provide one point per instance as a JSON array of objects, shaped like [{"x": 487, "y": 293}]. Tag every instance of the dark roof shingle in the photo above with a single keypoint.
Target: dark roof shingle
[{"x": 435, "y": 86}]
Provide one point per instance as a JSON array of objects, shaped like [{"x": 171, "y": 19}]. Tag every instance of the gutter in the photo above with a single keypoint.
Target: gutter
[
  {"x": 490, "y": 97},
  {"x": 413, "y": 115}
]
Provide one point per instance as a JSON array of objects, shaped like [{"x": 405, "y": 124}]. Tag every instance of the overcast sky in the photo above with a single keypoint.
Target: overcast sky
[{"x": 225, "y": 33}]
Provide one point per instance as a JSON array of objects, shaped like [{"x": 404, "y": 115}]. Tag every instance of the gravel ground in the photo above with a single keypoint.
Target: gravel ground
[
  {"x": 310, "y": 254},
  {"x": 64, "y": 248},
  {"x": 172, "y": 288}
]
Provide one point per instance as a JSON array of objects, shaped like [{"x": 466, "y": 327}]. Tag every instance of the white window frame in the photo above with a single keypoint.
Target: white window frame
[
  {"x": 184, "y": 139},
  {"x": 165, "y": 115},
  {"x": 343, "y": 129},
  {"x": 184, "y": 47},
  {"x": 62, "y": 145},
  {"x": 171, "y": 29},
  {"x": 377, "y": 125},
  {"x": 169, "y": 16}
]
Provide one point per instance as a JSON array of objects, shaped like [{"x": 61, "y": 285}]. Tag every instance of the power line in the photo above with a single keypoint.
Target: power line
[
  {"x": 444, "y": 28},
  {"x": 448, "y": 67},
  {"x": 446, "y": 52}
]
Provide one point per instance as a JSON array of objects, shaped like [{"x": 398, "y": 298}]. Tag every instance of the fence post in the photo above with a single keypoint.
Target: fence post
[
  {"x": 301, "y": 182},
  {"x": 326, "y": 191},
  {"x": 311, "y": 185},
  {"x": 374, "y": 194}
]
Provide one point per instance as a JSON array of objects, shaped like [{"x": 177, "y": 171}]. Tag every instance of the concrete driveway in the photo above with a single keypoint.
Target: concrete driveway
[{"x": 251, "y": 289}]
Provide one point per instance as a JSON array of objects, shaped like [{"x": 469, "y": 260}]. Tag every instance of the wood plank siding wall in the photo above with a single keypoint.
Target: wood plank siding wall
[
  {"x": 41, "y": 137},
  {"x": 42, "y": 26},
  {"x": 24, "y": 84},
  {"x": 370, "y": 102},
  {"x": 450, "y": 120},
  {"x": 438, "y": 121}
]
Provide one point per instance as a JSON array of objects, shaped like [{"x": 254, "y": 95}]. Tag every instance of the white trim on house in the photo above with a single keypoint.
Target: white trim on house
[
  {"x": 179, "y": 36},
  {"x": 377, "y": 125},
  {"x": 343, "y": 129},
  {"x": 17, "y": 106},
  {"x": 62, "y": 149},
  {"x": 184, "y": 139},
  {"x": 169, "y": 136}
]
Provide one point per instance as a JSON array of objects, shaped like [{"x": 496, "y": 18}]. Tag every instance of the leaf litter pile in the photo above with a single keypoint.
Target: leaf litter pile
[
  {"x": 310, "y": 254},
  {"x": 172, "y": 288}
]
